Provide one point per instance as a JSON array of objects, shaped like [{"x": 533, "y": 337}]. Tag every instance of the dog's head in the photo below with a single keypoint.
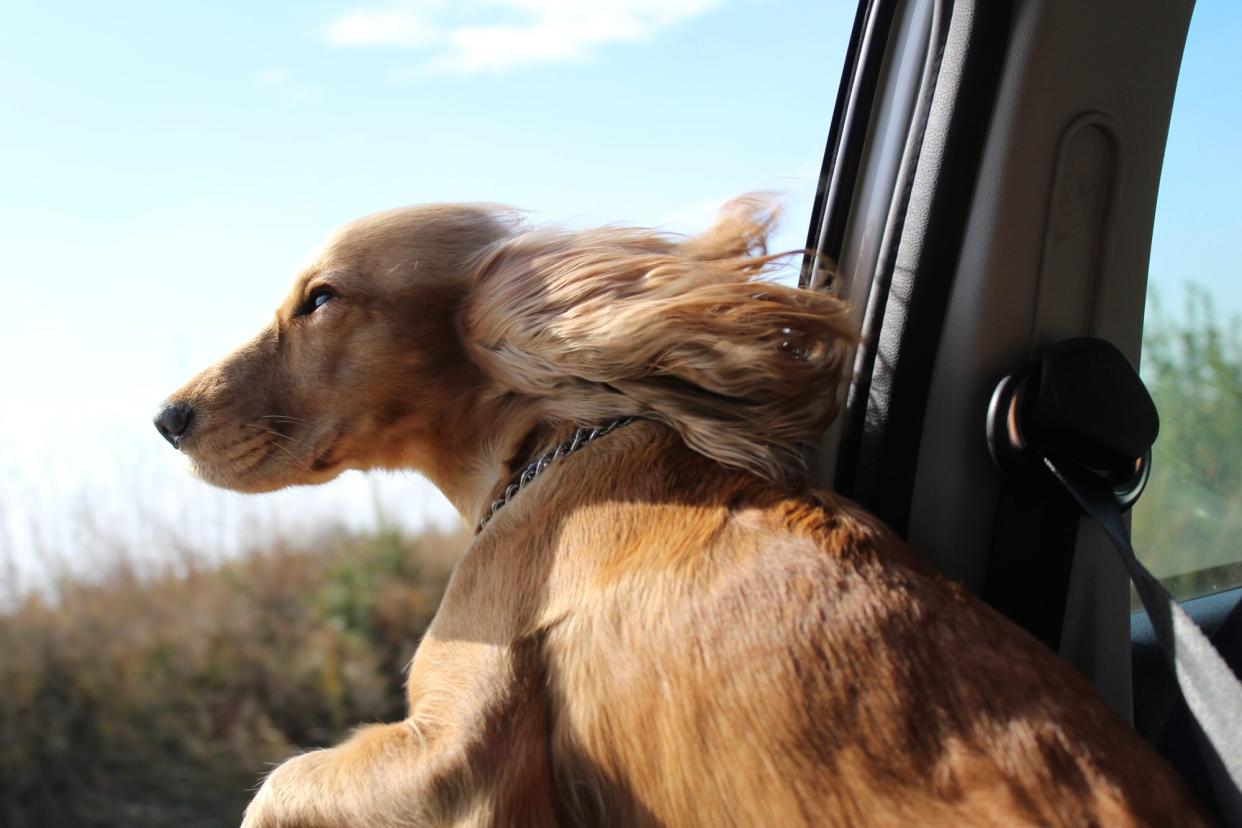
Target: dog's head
[
  {"x": 361, "y": 367},
  {"x": 436, "y": 338}
]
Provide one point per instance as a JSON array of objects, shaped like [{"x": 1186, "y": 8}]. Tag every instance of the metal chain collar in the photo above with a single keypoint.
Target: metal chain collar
[{"x": 581, "y": 437}]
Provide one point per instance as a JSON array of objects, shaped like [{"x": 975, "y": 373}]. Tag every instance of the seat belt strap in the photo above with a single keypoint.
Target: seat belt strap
[{"x": 1211, "y": 690}]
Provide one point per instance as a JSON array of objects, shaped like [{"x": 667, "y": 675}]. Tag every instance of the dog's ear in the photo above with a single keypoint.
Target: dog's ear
[
  {"x": 621, "y": 322},
  {"x": 741, "y": 229}
]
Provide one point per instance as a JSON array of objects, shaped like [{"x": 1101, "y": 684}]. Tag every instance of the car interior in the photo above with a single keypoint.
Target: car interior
[{"x": 988, "y": 191}]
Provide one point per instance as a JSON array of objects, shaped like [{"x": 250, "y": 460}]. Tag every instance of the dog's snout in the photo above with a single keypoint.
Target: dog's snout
[{"x": 173, "y": 421}]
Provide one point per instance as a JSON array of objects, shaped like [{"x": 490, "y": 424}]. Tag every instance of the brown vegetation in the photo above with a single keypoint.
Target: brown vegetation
[{"x": 158, "y": 699}]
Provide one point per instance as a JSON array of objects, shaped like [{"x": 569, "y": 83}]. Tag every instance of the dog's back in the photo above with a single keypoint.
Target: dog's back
[{"x": 686, "y": 644}]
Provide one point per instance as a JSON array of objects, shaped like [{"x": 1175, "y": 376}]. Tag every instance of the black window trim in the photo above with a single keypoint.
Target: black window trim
[
  {"x": 883, "y": 417},
  {"x": 864, "y": 59}
]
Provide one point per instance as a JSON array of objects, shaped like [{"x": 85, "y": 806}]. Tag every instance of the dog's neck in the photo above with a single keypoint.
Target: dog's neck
[
  {"x": 524, "y": 445},
  {"x": 532, "y": 445},
  {"x": 531, "y": 462},
  {"x": 479, "y": 450},
  {"x": 483, "y": 441},
  {"x": 494, "y": 472}
]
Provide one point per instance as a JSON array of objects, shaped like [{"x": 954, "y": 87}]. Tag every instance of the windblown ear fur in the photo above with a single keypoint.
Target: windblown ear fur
[{"x": 617, "y": 322}]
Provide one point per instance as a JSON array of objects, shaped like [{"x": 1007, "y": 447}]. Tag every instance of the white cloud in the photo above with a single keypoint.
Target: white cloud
[{"x": 473, "y": 36}]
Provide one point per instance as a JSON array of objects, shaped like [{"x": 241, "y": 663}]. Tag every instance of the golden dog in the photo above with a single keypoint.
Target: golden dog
[{"x": 665, "y": 625}]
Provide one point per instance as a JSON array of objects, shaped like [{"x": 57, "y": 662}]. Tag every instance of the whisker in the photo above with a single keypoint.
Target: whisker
[
  {"x": 263, "y": 450},
  {"x": 303, "y": 463},
  {"x": 288, "y": 453},
  {"x": 244, "y": 448},
  {"x": 284, "y": 418},
  {"x": 275, "y": 433}
]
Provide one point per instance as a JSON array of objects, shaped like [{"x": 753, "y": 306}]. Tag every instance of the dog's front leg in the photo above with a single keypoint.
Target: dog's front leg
[{"x": 376, "y": 779}]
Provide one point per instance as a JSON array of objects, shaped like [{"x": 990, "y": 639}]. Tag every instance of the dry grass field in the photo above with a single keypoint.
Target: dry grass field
[{"x": 159, "y": 698}]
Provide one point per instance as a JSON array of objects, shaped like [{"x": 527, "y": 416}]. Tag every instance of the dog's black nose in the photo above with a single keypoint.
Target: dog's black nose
[{"x": 173, "y": 421}]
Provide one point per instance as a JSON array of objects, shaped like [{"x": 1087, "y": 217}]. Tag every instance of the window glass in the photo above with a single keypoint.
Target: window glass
[
  {"x": 166, "y": 168},
  {"x": 160, "y": 192},
  {"x": 1188, "y": 526}
]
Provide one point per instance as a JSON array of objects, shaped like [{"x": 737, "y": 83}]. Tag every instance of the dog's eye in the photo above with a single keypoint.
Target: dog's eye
[{"x": 317, "y": 299}]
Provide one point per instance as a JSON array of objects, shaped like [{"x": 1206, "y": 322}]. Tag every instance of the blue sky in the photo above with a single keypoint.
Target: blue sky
[
  {"x": 167, "y": 166},
  {"x": 1198, "y": 219}
]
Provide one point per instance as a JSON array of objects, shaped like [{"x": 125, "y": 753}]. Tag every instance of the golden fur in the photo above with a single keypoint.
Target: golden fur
[{"x": 668, "y": 627}]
